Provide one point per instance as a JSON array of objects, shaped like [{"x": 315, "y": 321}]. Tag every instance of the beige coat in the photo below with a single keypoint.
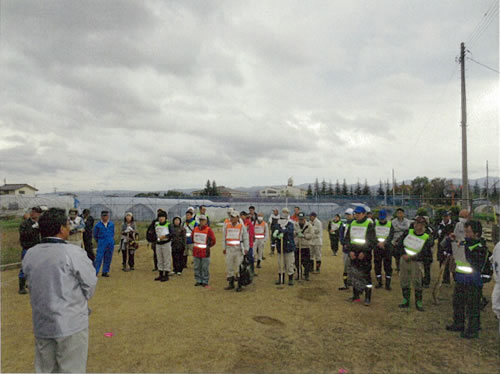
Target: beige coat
[
  {"x": 318, "y": 232},
  {"x": 307, "y": 230}
]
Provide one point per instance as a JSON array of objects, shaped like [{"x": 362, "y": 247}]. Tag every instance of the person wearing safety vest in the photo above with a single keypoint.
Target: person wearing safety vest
[
  {"x": 202, "y": 212},
  {"x": 345, "y": 249},
  {"x": 234, "y": 245},
  {"x": 317, "y": 240},
  {"x": 273, "y": 226},
  {"x": 382, "y": 252},
  {"x": 284, "y": 233},
  {"x": 303, "y": 232},
  {"x": 360, "y": 240},
  {"x": 261, "y": 236},
  {"x": 400, "y": 225},
  {"x": 412, "y": 246},
  {"x": 470, "y": 257},
  {"x": 245, "y": 218},
  {"x": 203, "y": 240},
  {"x": 189, "y": 225},
  {"x": 163, "y": 246},
  {"x": 334, "y": 232}
]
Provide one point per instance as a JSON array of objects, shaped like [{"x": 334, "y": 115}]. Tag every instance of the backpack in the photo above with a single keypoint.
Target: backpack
[
  {"x": 245, "y": 272},
  {"x": 151, "y": 233}
]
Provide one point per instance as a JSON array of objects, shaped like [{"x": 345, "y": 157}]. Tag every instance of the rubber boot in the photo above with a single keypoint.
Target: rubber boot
[
  {"x": 368, "y": 296},
  {"x": 355, "y": 295},
  {"x": 165, "y": 277},
  {"x": 230, "y": 285},
  {"x": 406, "y": 298},
  {"x": 279, "y": 279},
  {"x": 306, "y": 272},
  {"x": 290, "y": 279},
  {"x": 346, "y": 286},
  {"x": 379, "y": 282},
  {"x": 160, "y": 276},
  {"x": 388, "y": 283},
  {"x": 318, "y": 266},
  {"x": 239, "y": 289},
  {"x": 418, "y": 300},
  {"x": 258, "y": 264},
  {"x": 22, "y": 286}
]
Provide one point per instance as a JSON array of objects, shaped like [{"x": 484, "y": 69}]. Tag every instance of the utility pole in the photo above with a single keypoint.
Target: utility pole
[
  {"x": 393, "y": 190},
  {"x": 465, "y": 178},
  {"x": 487, "y": 184}
]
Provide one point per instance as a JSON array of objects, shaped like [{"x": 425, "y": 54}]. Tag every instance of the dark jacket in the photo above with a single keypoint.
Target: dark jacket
[
  {"x": 288, "y": 239},
  {"x": 89, "y": 226},
  {"x": 29, "y": 233},
  {"x": 371, "y": 241},
  {"x": 443, "y": 231},
  {"x": 178, "y": 238}
]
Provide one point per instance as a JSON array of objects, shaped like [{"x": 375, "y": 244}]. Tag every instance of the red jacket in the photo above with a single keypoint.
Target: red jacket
[
  {"x": 251, "y": 231},
  {"x": 203, "y": 240}
]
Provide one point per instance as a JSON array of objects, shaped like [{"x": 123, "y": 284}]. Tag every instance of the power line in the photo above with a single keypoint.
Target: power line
[
  {"x": 487, "y": 67},
  {"x": 485, "y": 22}
]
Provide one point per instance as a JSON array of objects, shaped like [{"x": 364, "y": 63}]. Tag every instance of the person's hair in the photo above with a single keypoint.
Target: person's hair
[
  {"x": 400, "y": 210},
  {"x": 476, "y": 226},
  {"x": 85, "y": 211},
  {"x": 125, "y": 218},
  {"x": 51, "y": 221},
  {"x": 337, "y": 215},
  {"x": 178, "y": 218},
  {"x": 202, "y": 206}
]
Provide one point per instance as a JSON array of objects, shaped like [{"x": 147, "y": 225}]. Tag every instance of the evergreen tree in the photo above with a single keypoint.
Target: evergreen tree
[
  {"x": 309, "y": 191},
  {"x": 214, "y": 189},
  {"x": 357, "y": 191},
  {"x": 316, "y": 187},
  {"x": 345, "y": 192},
  {"x": 351, "y": 191},
  {"x": 323, "y": 188},
  {"x": 476, "y": 190},
  {"x": 208, "y": 189},
  {"x": 338, "y": 191},
  {"x": 329, "y": 192},
  {"x": 380, "y": 191},
  {"x": 366, "y": 189}
]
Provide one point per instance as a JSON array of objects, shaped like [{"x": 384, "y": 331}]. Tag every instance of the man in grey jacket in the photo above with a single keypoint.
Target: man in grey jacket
[
  {"x": 62, "y": 280},
  {"x": 317, "y": 240}
]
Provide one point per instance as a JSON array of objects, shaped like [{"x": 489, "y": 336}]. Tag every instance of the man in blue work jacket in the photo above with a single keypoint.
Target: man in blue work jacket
[{"x": 104, "y": 235}]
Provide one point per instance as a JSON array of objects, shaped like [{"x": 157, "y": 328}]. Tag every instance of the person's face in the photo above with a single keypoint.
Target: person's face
[
  {"x": 469, "y": 234},
  {"x": 105, "y": 218},
  {"x": 72, "y": 215},
  {"x": 189, "y": 215},
  {"x": 203, "y": 210},
  {"x": 302, "y": 221},
  {"x": 359, "y": 216},
  {"x": 203, "y": 222},
  {"x": 463, "y": 214},
  {"x": 35, "y": 215},
  {"x": 162, "y": 219},
  {"x": 336, "y": 219},
  {"x": 252, "y": 210},
  {"x": 446, "y": 219},
  {"x": 348, "y": 216},
  {"x": 400, "y": 214},
  {"x": 312, "y": 218},
  {"x": 296, "y": 210},
  {"x": 382, "y": 220},
  {"x": 275, "y": 212},
  {"x": 234, "y": 220},
  {"x": 419, "y": 226},
  {"x": 128, "y": 218}
]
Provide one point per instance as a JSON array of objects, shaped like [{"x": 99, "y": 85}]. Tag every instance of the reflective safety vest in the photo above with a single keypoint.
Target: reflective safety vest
[
  {"x": 358, "y": 232},
  {"x": 189, "y": 228},
  {"x": 233, "y": 234},
  {"x": 413, "y": 244},
  {"x": 334, "y": 226},
  {"x": 382, "y": 230},
  {"x": 162, "y": 229},
  {"x": 260, "y": 230},
  {"x": 200, "y": 241},
  {"x": 463, "y": 266}
]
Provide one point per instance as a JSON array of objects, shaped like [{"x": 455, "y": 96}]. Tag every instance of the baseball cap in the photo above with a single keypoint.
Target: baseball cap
[
  {"x": 37, "y": 209},
  {"x": 301, "y": 215},
  {"x": 202, "y": 216},
  {"x": 234, "y": 213},
  {"x": 285, "y": 210},
  {"x": 349, "y": 211},
  {"x": 359, "y": 209},
  {"x": 382, "y": 214},
  {"x": 313, "y": 214},
  {"x": 420, "y": 219}
]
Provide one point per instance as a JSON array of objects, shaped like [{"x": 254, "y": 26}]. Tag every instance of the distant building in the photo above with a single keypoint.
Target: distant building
[
  {"x": 18, "y": 189},
  {"x": 288, "y": 191},
  {"x": 224, "y": 191}
]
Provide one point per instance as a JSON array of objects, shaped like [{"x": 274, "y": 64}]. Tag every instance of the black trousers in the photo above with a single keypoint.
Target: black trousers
[
  {"x": 382, "y": 256},
  {"x": 334, "y": 243},
  {"x": 89, "y": 248},
  {"x": 466, "y": 306},
  {"x": 305, "y": 259},
  {"x": 178, "y": 260},
  {"x": 397, "y": 257},
  {"x": 155, "y": 259},
  {"x": 446, "y": 274},
  {"x": 426, "y": 281},
  {"x": 361, "y": 273},
  {"x": 130, "y": 254}
]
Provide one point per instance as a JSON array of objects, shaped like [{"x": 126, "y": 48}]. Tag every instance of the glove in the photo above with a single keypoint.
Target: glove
[
  {"x": 275, "y": 234},
  {"x": 300, "y": 235},
  {"x": 281, "y": 235}
]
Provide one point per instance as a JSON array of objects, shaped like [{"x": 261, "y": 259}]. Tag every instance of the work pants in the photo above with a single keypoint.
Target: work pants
[
  {"x": 62, "y": 355},
  {"x": 155, "y": 258},
  {"x": 334, "y": 243},
  {"x": 360, "y": 273},
  {"x": 201, "y": 272},
  {"x": 446, "y": 274},
  {"x": 289, "y": 263},
  {"x": 316, "y": 252},
  {"x": 426, "y": 281},
  {"x": 21, "y": 273},
  {"x": 305, "y": 259},
  {"x": 495, "y": 301},
  {"x": 259, "y": 249},
  {"x": 466, "y": 306},
  {"x": 104, "y": 254},
  {"x": 89, "y": 248},
  {"x": 164, "y": 254},
  {"x": 188, "y": 252},
  {"x": 411, "y": 273},
  {"x": 382, "y": 256},
  {"x": 397, "y": 257},
  {"x": 130, "y": 254},
  {"x": 178, "y": 260},
  {"x": 234, "y": 257}
]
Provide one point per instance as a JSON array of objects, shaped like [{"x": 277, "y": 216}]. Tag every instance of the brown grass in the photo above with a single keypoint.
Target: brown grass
[{"x": 307, "y": 328}]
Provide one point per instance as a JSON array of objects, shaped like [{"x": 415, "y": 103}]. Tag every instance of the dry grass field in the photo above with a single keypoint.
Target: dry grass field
[{"x": 307, "y": 328}]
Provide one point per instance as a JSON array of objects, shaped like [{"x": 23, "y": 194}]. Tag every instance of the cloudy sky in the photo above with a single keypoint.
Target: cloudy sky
[{"x": 160, "y": 95}]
